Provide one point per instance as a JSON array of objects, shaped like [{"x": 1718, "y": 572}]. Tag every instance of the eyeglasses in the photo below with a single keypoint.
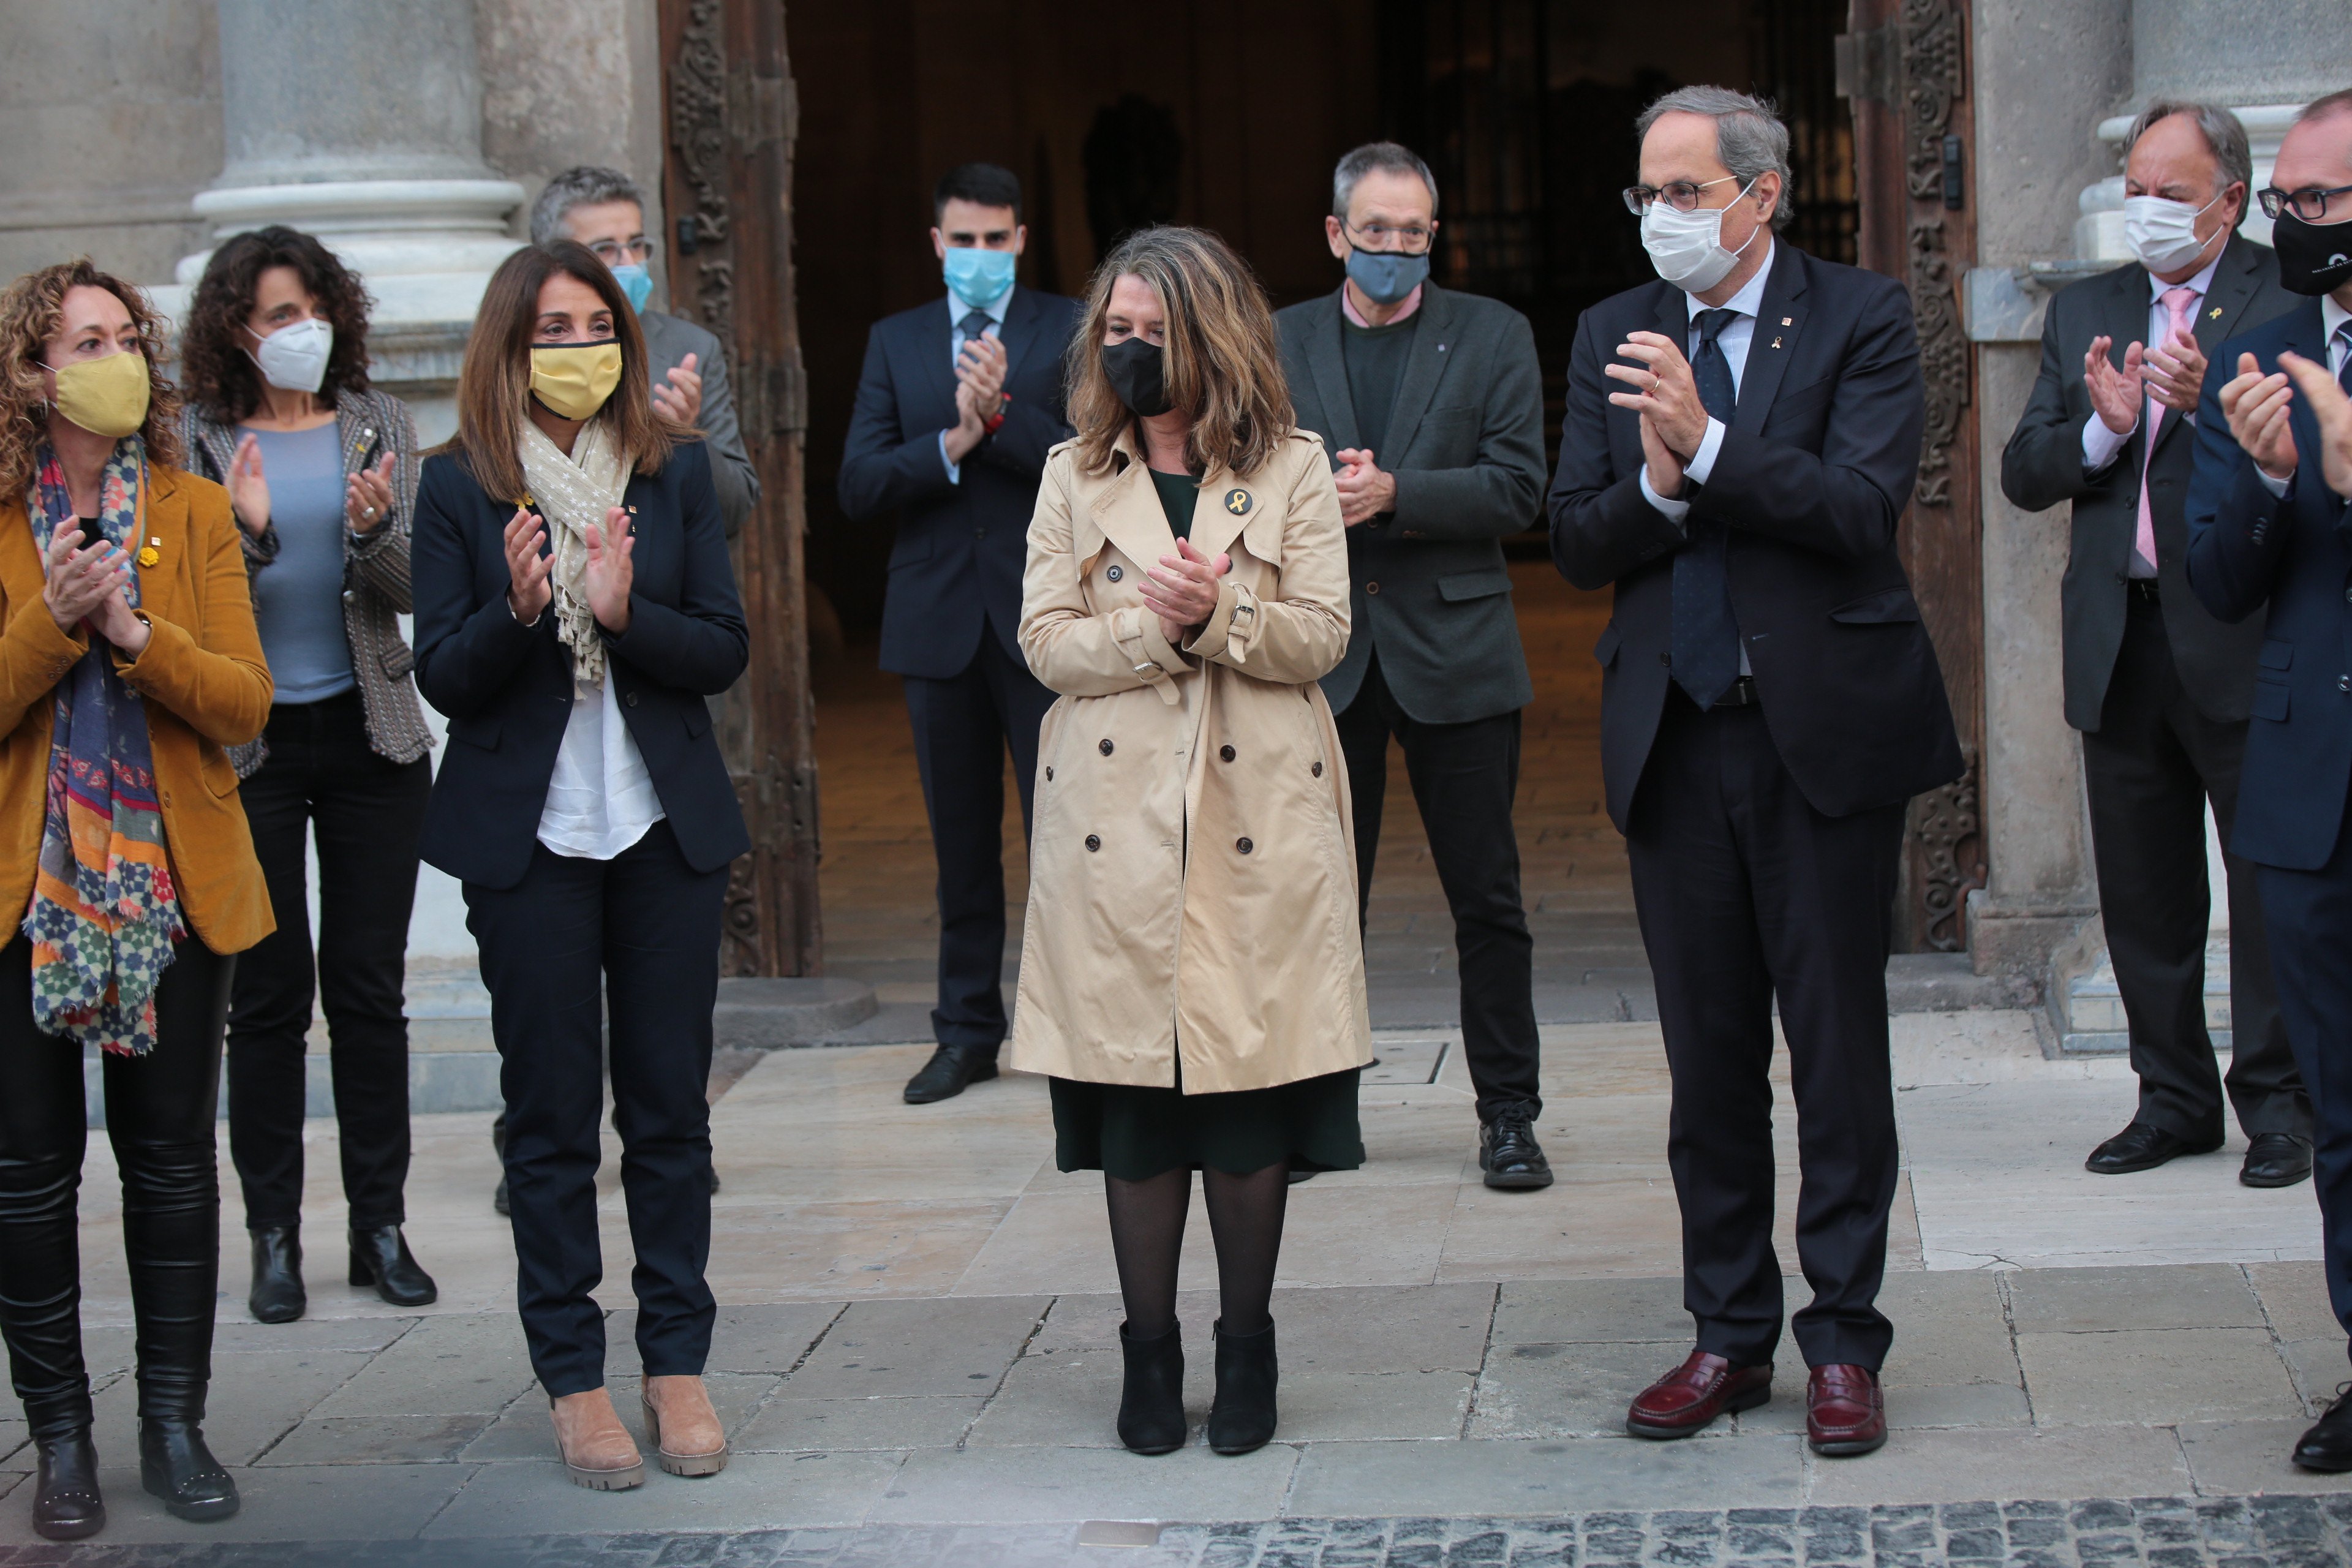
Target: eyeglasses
[
  {"x": 1411, "y": 240},
  {"x": 2310, "y": 205},
  {"x": 614, "y": 252},
  {"x": 1681, "y": 194}
]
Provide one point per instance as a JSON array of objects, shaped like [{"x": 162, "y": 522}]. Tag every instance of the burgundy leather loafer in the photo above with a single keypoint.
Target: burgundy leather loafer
[
  {"x": 1692, "y": 1395},
  {"x": 1846, "y": 1414}
]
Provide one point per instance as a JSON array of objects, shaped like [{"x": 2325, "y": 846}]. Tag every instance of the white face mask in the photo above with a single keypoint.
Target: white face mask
[
  {"x": 2162, "y": 234},
  {"x": 294, "y": 357},
  {"x": 1686, "y": 247}
]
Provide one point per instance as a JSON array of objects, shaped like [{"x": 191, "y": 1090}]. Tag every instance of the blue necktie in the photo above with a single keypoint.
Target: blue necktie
[{"x": 1707, "y": 635}]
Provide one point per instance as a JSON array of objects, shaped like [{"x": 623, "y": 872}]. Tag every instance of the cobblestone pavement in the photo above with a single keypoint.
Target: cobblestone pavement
[{"x": 2164, "y": 1532}]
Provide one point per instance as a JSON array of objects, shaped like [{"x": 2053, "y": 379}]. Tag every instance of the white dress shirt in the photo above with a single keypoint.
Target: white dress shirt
[
  {"x": 2331, "y": 318},
  {"x": 1733, "y": 340},
  {"x": 957, "y": 311},
  {"x": 2102, "y": 445},
  {"x": 600, "y": 798}
]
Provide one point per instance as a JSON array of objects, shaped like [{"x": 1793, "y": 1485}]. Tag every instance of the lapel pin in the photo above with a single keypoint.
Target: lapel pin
[
  {"x": 149, "y": 555},
  {"x": 2217, "y": 313},
  {"x": 1788, "y": 321},
  {"x": 1776, "y": 342},
  {"x": 1237, "y": 502}
]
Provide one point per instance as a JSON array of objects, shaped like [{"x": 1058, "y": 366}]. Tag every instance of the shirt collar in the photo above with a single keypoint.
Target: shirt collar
[
  {"x": 1749, "y": 300},
  {"x": 2331, "y": 317},
  {"x": 1404, "y": 312},
  {"x": 2198, "y": 285},
  {"x": 958, "y": 309}
]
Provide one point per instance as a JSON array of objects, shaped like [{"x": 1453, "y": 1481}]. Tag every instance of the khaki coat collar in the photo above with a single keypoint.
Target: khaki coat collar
[{"x": 1125, "y": 510}]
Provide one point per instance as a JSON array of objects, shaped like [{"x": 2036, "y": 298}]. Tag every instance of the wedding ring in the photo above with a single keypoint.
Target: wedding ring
[{"x": 368, "y": 513}]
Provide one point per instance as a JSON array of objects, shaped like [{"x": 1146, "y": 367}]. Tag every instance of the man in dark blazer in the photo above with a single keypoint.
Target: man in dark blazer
[
  {"x": 2269, "y": 536},
  {"x": 1430, "y": 405},
  {"x": 959, "y": 402},
  {"x": 2157, "y": 686},
  {"x": 1741, "y": 439}
]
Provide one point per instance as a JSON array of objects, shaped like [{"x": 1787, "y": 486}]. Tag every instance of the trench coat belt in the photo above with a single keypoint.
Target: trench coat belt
[{"x": 1147, "y": 668}]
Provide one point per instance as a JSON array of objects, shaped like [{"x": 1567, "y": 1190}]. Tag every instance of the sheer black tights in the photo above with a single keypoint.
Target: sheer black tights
[{"x": 1146, "y": 1237}]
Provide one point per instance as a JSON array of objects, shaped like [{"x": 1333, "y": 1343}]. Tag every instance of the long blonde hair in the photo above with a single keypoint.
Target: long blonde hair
[
  {"x": 30, "y": 311},
  {"x": 1224, "y": 365}
]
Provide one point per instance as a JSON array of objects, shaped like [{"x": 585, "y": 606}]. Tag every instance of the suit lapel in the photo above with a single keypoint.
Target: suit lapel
[
  {"x": 1127, "y": 511},
  {"x": 2216, "y": 321},
  {"x": 1019, "y": 333},
  {"x": 1774, "y": 342},
  {"x": 1424, "y": 367},
  {"x": 1327, "y": 361},
  {"x": 164, "y": 530},
  {"x": 933, "y": 344}
]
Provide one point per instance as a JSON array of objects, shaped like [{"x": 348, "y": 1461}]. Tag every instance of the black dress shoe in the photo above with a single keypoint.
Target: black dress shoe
[
  {"x": 66, "y": 1501},
  {"x": 2276, "y": 1160},
  {"x": 276, "y": 1296},
  {"x": 1241, "y": 1418},
  {"x": 2141, "y": 1147},
  {"x": 2329, "y": 1445},
  {"x": 174, "y": 1465},
  {"x": 380, "y": 1258},
  {"x": 949, "y": 1070},
  {"x": 1151, "y": 1401},
  {"x": 1508, "y": 1153}
]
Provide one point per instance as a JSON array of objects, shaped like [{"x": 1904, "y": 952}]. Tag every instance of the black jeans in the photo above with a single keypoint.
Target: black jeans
[
  {"x": 368, "y": 813},
  {"x": 1464, "y": 778},
  {"x": 158, "y": 1117},
  {"x": 2149, "y": 770},
  {"x": 641, "y": 931},
  {"x": 962, "y": 728}
]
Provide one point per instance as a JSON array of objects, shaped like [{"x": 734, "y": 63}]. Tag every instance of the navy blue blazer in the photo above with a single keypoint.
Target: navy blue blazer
[
  {"x": 956, "y": 567},
  {"x": 506, "y": 687},
  {"x": 2248, "y": 548},
  {"x": 1812, "y": 476}
]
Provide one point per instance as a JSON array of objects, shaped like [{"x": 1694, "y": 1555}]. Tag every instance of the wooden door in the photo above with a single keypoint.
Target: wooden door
[
  {"x": 1903, "y": 66},
  {"x": 726, "y": 187}
]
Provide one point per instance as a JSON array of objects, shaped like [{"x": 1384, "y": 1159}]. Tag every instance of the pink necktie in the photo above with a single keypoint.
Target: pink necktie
[{"x": 2177, "y": 301}]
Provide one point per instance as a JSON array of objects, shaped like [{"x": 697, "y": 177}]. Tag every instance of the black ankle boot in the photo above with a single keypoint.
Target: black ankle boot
[
  {"x": 276, "y": 1296},
  {"x": 175, "y": 1464},
  {"x": 1241, "y": 1419},
  {"x": 66, "y": 1501},
  {"x": 380, "y": 1258},
  {"x": 1151, "y": 1406}
]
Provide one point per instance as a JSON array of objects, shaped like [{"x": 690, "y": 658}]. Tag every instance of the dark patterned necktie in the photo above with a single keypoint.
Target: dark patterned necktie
[
  {"x": 1707, "y": 635},
  {"x": 2343, "y": 373},
  {"x": 974, "y": 325}
]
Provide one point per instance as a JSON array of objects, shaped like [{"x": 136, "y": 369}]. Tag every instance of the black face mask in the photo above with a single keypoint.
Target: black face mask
[
  {"x": 1139, "y": 374},
  {"x": 2313, "y": 259}
]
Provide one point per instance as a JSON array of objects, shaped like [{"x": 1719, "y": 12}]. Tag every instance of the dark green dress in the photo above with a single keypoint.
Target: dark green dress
[{"x": 1134, "y": 1133}]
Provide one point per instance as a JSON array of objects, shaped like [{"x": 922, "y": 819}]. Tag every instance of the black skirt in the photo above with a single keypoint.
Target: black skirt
[{"x": 1135, "y": 1132}]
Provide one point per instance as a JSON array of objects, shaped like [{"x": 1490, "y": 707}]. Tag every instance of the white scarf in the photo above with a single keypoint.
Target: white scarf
[{"x": 572, "y": 493}]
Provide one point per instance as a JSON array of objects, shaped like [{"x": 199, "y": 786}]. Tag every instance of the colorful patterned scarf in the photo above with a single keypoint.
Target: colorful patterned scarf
[{"x": 104, "y": 914}]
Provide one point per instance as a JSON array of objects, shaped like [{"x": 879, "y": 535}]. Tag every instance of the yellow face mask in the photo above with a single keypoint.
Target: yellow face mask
[
  {"x": 574, "y": 379},
  {"x": 104, "y": 396}
]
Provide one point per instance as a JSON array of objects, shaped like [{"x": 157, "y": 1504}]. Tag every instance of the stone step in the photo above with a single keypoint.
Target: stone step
[{"x": 2095, "y": 1007}]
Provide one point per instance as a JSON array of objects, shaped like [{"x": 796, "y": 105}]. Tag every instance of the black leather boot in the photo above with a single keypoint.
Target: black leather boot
[
  {"x": 1241, "y": 1419},
  {"x": 380, "y": 1258},
  {"x": 66, "y": 1501},
  {"x": 276, "y": 1296},
  {"x": 1151, "y": 1404},
  {"x": 174, "y": 1465}
]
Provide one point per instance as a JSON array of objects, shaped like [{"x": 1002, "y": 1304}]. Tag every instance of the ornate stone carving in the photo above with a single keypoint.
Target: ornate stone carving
[
  {"x": 1949, "y": 831},
  {"x": 697, "y": 116},
  {"x": 739, "y": 919},
  {"x": 1931, "y": 65}
]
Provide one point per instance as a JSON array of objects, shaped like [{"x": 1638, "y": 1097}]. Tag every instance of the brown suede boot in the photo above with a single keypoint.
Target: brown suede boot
[
  {"x": 683, "y": 1428},
  {"x": 597, "y": 1450}
]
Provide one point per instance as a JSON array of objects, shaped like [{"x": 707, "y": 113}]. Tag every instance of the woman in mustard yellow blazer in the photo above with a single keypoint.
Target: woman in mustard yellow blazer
[{"x": 128, "y": 661}]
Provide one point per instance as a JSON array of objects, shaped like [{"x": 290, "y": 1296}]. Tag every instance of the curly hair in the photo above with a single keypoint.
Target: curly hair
[
  {"x": 32, "y": 309},
  {"x": 222, "y": 380},
  {"x": 1224, "y": 367}
]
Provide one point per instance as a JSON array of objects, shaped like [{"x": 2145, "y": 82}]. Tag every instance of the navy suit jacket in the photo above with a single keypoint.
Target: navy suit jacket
[
  {"x": 1812, "y": 476},
  {"x": 506, "y": 687},
  {"x": 2248, "y": 548},
  {"x": 956, "y": 567}
]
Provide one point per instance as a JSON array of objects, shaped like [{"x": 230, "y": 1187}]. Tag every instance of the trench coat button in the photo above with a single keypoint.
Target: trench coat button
[
  {"x": 1105, "y": 748},
  {"x": 1225, "y": 753},
  {"x": 1114, "y": 573},
  {"x": 1093, "y": 843},
  {"x": 1317, "y": 770},
  {"x": 1371, "y": 587},
  {"x": 1244, "y": 844},
  {"x": 1049, "y": 776}
]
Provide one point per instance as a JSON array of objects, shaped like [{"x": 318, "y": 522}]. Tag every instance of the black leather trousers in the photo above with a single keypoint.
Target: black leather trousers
[{"x": 159, "y": 1115}]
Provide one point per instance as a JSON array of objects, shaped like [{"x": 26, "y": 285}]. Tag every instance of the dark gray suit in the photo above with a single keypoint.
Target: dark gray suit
[
  {"x": 2161, "y": 691},
  {"x": 669, "y": 339},
  {"x": 1434, "y": 658}
]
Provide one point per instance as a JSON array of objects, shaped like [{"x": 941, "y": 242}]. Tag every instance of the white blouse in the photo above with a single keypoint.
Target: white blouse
[{"x": 600, "y": 799}]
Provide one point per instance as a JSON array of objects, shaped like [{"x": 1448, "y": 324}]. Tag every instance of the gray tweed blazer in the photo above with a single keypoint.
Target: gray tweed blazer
[{"x": 375, "y": 568}]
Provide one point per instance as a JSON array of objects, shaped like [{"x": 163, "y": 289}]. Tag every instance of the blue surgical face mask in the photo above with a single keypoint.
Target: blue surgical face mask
[
  {"x": 1386, "y": 276},
  {"x": 636, "y": 283},
  {"x": 978, "y": 278}
]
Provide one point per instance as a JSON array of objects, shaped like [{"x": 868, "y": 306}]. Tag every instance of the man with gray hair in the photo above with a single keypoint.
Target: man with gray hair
[
  {"x": 605, "y": 210},
  {"x": 2161, "y": 690},
  {"x": 1430, "y": 404},
  {"x": 1742, "y": 438}
]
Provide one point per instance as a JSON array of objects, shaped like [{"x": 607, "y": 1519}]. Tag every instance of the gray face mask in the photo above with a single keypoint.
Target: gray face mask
[{"x": 1386, "y": 276}]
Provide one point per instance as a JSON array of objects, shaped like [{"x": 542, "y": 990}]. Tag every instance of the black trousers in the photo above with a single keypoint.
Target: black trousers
[
  {"x": 1746, "y": 893},
  {"x": 368, "y": 813},
  {"x": 962, "y": 726},
  {"x": 1464, "y": 779},
  {"x": 158, "y": 1117},
  {"x": 2311, "y": 928},
  {"x": 641, "y": 933},
  {"x": 2149, "y": 769}
]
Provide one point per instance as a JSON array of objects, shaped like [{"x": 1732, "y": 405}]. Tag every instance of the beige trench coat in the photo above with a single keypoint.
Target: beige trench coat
[{"x": 1191, "y": 868}]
